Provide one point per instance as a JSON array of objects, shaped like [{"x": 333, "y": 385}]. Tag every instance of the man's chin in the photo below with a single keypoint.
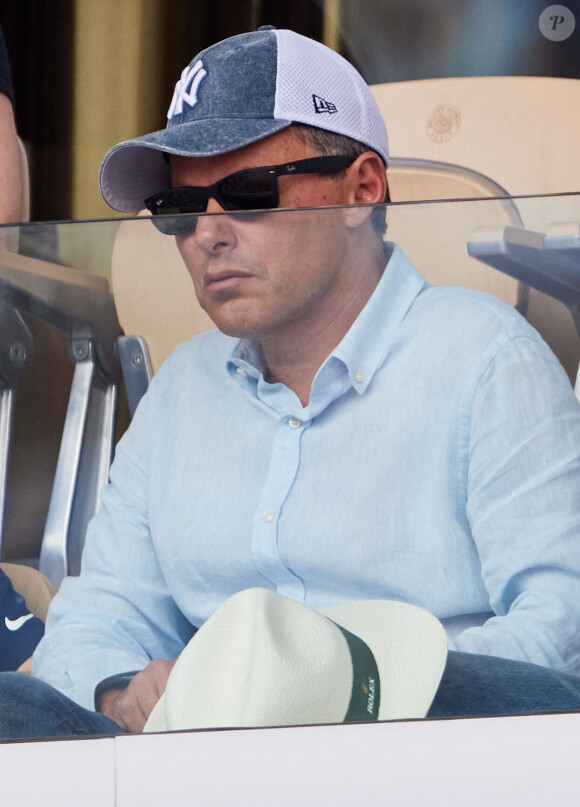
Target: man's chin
[
  {"x": 237, "y": 331},
  {"x": 232, "y": 321}
]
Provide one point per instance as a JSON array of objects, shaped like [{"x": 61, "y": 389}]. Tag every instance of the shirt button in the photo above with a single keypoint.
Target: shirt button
[
  {"x": 359, "y": 377},
  {"x": 294, "y": 423},
  {"x": 269, "y": 516},
  {"x": 242, "y": 372}
]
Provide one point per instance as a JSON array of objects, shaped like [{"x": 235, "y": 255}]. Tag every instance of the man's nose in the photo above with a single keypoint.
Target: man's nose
[
  {"x": 214, "y": 233},
  {"x": 213, "y": 206}
]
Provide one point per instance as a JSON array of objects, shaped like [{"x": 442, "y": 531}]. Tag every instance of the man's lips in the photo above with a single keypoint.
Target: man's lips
[{"x": 224, "y": 277}]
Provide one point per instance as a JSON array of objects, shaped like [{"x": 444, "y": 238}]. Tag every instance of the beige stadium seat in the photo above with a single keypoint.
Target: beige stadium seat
[
  {"x": 519, "y": 131},
  {"x": 156, "y": 304},
  {"x": 153, "y": 292},
  {"x": 441, "y": 251}
]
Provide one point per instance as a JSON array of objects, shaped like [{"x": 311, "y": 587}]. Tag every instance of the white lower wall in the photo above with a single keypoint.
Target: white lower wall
[{"x": 495, "y": 761}]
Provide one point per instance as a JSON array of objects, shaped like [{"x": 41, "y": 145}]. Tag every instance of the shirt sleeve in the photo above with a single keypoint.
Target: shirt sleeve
[
  {"x": 118, "y": 614},
  {"x": 523, "y": 506}
]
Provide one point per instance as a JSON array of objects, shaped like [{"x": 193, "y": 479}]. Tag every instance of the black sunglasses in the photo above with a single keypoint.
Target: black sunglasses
[{"x": 250, "y": 190}]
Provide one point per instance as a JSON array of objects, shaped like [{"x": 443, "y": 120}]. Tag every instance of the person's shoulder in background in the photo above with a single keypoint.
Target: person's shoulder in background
[
  {"x": 5, "y": 74},
  {"x": 12, "y": 191},
  {"x": 20, "y": 631}
]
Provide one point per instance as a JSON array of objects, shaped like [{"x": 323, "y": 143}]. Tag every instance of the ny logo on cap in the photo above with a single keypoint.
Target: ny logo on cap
[{"x": 186, "y": 89}]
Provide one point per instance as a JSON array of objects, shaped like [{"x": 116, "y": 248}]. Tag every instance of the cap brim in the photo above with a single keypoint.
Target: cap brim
[
  {"x": 135, "y": 169},
  {"x": 409, "y": 646}
]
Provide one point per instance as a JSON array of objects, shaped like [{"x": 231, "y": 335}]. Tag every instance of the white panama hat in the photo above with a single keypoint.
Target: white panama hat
[{"x": 263, "y": 659}]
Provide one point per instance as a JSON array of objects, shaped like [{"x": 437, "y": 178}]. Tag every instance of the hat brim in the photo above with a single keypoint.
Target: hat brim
[
  {"x": 409, "y": 646},
  {"x": 135, "y": 169}
]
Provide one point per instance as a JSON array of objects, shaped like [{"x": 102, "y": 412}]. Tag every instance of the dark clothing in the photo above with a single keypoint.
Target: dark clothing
[
  {"x": 20, "y": 632},
  {"x": 30, "y": 709},
  {"x": 5, "y": 74}
]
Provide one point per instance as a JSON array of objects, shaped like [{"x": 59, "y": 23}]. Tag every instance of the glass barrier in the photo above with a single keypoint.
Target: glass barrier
[{"x": 343, "y": 483}]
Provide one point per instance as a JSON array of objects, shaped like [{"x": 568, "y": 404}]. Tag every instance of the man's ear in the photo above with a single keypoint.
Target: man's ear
[{"x": 367, "y": 185}]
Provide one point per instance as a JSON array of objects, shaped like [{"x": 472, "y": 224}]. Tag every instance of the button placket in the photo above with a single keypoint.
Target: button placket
[{"x": 282, "y": 470}]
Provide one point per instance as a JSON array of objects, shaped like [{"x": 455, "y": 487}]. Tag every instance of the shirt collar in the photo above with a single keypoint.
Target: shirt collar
[{"x": 366, "y": 345}]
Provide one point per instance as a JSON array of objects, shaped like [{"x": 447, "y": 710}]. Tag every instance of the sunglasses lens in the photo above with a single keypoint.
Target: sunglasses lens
[
  {"x": 167, "y": 206},
  {"x": 249, "y": 190},
  {"x": 175, "y": 225}
]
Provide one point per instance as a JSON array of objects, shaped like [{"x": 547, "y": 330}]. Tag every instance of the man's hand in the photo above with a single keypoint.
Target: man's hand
[{"x": 131, "y": 707}]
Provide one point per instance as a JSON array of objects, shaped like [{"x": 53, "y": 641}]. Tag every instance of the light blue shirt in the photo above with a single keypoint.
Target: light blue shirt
[{"x": 437, "y": 463}]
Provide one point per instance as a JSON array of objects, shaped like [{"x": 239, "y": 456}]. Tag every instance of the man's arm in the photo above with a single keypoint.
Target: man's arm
[
  {"x": 131, "y": 706},
  {"x": 11, "y": 180},
  {"x": 119, "y": 614},
  {"x": 524, "y": 507}
]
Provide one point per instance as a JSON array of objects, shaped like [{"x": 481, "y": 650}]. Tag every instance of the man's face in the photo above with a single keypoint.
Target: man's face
[{"x": 268, "y": 276}]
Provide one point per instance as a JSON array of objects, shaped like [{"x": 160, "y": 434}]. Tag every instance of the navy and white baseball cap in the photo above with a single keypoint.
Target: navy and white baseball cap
[{"x": 237, "y": 92}]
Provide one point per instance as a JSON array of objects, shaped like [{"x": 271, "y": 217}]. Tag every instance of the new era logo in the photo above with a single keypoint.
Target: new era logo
[
  {"x": 186, "y": 89},
  {"x": 320, "y": 105}
]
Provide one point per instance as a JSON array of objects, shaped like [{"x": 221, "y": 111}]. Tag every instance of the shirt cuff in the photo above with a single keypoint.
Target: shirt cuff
[{"x": 118, "y": 681}]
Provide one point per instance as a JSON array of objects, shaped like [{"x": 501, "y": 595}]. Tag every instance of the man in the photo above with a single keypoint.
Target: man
[
  {"x": 10, "y": 170},
  {"x": 348, "y": 434}
]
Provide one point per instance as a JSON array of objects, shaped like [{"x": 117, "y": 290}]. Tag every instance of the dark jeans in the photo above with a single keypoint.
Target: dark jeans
[
  {"x": 480, "y": 686},
  {"x": 29, "y": 708},
  {"x": 471, "y": 686}
]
